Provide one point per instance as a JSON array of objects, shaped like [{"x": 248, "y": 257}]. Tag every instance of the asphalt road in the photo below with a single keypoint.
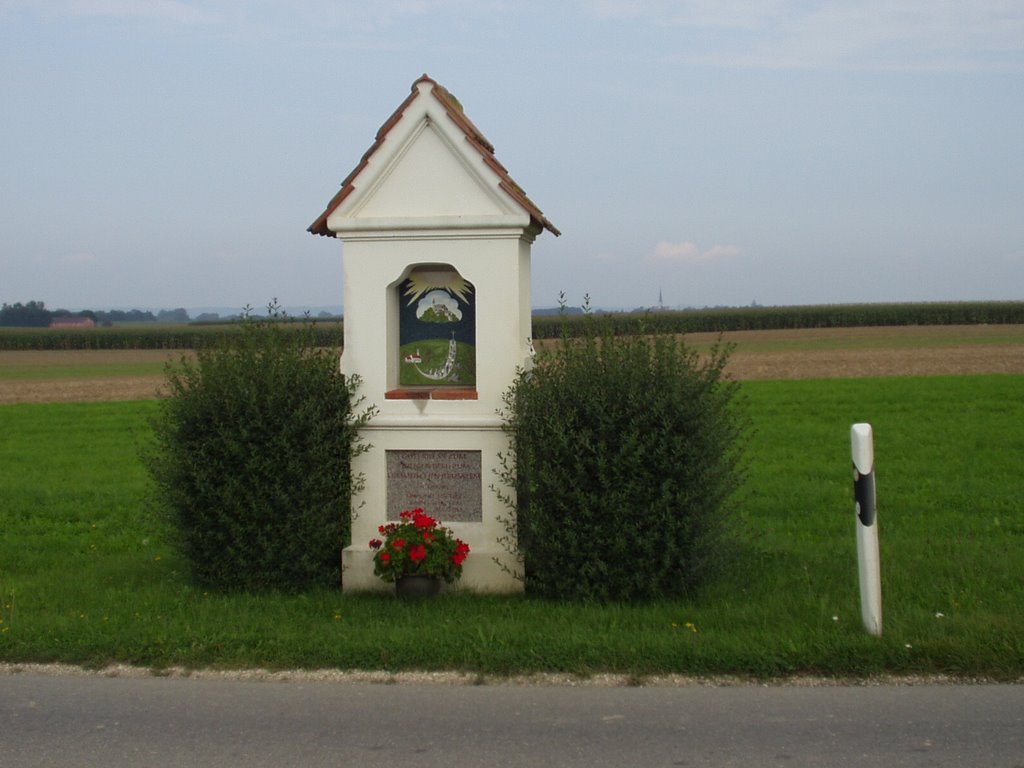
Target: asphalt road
[{"x": 114, "y": 722}]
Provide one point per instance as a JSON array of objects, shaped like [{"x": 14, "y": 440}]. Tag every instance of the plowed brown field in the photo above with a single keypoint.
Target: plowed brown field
[{"x": 794, "y": 354}]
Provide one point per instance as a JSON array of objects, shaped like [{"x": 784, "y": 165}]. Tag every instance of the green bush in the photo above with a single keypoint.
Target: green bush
[
  {"x": 251, "y": 458},
  {"x": 624, "y": 452}
]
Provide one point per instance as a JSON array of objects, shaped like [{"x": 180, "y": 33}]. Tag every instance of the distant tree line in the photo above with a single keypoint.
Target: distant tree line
[
  {"x": 205, "y": 328},
  {"x": 757, "y": 318},
  {"x": 34, "y": 314},
  {"x": 31, "y": 315}
]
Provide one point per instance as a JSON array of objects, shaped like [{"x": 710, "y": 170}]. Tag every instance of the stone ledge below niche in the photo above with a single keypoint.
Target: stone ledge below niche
[{"x": 439, "y": 393}]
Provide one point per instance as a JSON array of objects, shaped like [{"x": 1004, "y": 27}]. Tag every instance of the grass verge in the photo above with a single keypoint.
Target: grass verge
[{"x": 86, "y": 576}]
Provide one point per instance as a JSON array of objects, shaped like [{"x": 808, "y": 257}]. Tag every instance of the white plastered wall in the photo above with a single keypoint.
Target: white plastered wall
[{"x": 496, "y": 262}]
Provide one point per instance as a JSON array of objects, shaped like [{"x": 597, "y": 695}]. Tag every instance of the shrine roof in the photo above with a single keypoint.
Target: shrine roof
[{"x": 473, "y": 136}]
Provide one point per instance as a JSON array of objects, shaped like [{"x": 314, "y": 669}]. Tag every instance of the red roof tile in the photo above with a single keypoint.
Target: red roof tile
[{"x": 473, "y": 135}]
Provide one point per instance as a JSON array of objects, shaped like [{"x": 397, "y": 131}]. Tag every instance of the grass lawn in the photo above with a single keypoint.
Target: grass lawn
[{"x": 86, "y": 575}]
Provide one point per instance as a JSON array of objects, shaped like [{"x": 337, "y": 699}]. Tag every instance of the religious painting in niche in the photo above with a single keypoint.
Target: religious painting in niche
[{"x": 436, "y": 329}]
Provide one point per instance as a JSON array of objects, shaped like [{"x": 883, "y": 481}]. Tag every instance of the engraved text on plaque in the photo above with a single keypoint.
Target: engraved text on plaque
[{"x": 446, "y": 484}]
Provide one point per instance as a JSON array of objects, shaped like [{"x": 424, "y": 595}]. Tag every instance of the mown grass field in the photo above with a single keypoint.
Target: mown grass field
[{"x": 87, "y": 577}]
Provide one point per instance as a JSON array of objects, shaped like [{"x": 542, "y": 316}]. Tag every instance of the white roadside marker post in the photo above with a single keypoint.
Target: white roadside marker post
[{"x": 863, "y": 450}]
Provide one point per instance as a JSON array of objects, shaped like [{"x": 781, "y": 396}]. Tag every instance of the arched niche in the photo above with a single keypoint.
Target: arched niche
[{"x": 433, "y": 335}]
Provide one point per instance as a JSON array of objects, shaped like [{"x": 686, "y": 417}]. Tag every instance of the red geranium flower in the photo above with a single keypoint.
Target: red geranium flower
[
  {"x": 408, "y": 546},
  {"x": 422, "y": 521}
]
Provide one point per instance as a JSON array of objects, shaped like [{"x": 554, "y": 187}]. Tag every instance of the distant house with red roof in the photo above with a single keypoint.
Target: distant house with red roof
[{"x": 72, "y": 322}]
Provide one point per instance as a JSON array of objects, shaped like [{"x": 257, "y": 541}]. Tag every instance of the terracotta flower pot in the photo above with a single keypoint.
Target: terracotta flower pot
[{"x": 415, "y": 586}]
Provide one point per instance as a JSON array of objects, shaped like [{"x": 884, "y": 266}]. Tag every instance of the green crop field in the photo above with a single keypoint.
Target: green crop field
[{"x": 87, "y": 576}]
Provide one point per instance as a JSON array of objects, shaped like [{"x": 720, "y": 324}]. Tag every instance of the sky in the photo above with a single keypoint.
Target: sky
[{"x": 172, "y": 153}]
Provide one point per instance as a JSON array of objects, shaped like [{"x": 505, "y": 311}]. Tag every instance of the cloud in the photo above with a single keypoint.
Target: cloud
[
  {"x": 78, "y": 258},
  {"x": 910, "y": 35},
  {"x": 381, "y": 25},
  {"x": 689, "y": 253},
  {"x": 683, "y": 252},
  {"x": 721, "y": 252},
  {"x": 436, "y": 299},
  {"x": 722, "y": 14},
  {"x": 615, "y": 9},
  {"x": 176, "y": 11}
]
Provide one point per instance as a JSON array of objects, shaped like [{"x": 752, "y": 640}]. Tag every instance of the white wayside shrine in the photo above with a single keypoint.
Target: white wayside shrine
[{"x": 436, "y": 261}]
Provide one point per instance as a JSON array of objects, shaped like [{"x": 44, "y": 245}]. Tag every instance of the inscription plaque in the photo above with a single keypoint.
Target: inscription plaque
[{"x": 446, "y": 484}]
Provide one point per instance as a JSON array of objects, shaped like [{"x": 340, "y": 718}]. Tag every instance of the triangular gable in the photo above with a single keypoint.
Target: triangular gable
[
  {"x": 427, "y": 178},
  {"x": 426, "y": 139}
]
